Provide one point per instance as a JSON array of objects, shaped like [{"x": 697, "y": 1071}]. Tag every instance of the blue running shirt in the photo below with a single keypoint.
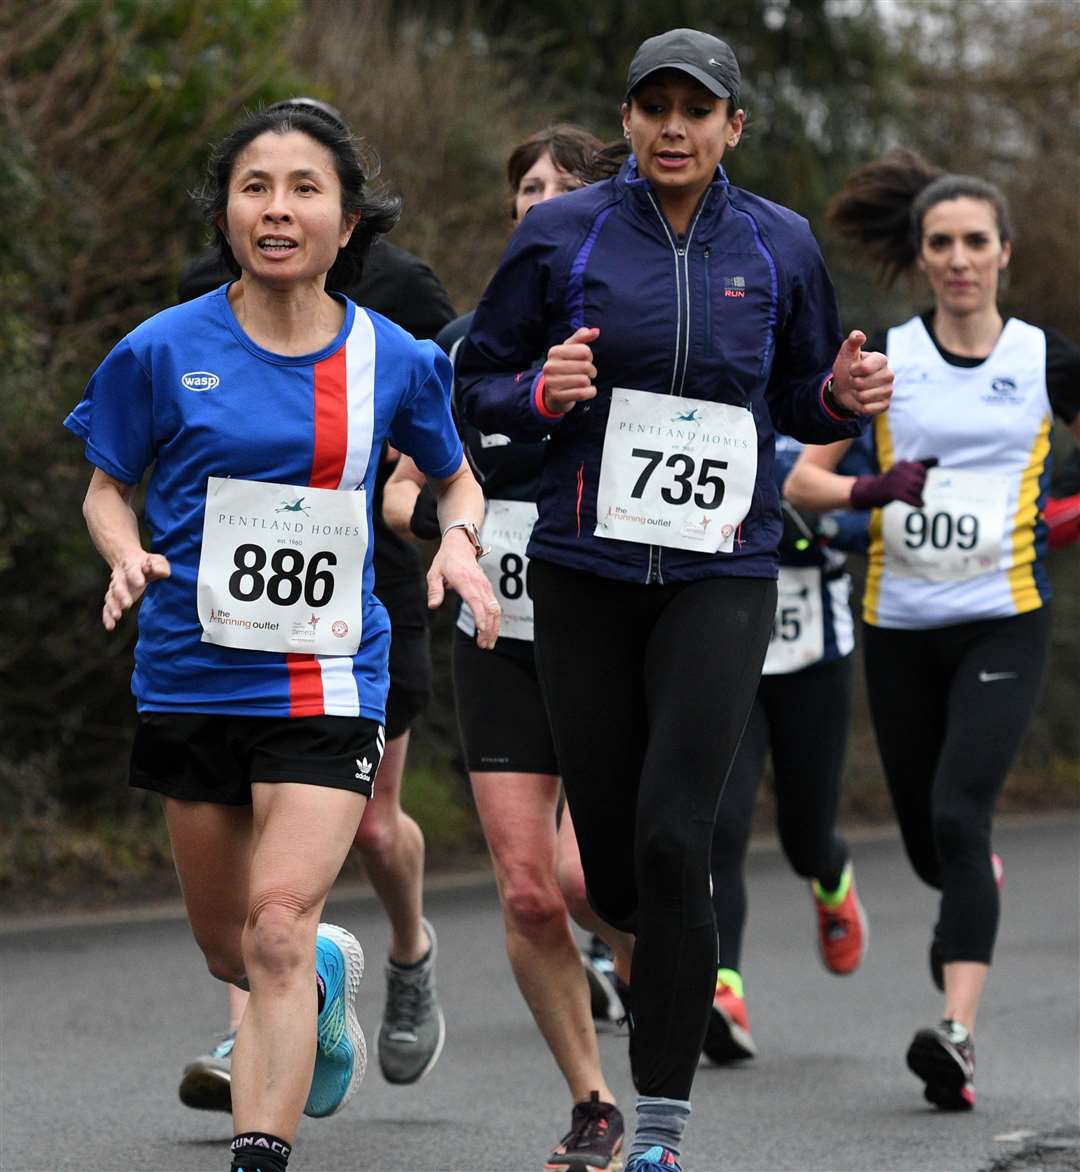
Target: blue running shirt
[{"x": 191, "y": 394}]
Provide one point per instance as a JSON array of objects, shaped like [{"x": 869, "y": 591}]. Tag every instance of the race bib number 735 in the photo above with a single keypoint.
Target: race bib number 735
[{"x": 675, "y": 472}]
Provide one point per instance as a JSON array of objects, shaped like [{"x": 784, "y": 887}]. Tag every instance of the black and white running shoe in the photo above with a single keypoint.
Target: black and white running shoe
[
  {"x": 593, "y": 1142},
  {"x": 944, "y": 1058}
]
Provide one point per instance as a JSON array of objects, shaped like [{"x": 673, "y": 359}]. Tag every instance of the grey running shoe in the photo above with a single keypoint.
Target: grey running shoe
[
  {"x": 206, "y": 1083},
  {"x": 413, "y": 1030}
]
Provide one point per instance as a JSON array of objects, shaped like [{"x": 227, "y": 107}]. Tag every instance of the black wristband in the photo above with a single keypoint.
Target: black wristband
[{"x": 833, "y": 405}]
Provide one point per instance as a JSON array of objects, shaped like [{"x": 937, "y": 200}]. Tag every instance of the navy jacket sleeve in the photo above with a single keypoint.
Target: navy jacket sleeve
[
  {"x": 498, "y": 372},
  {"x": 808, "y": 337}
]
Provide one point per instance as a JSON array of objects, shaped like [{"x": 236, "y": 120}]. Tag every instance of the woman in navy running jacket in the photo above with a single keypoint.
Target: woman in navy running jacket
[{"x": 683, "y": 320}]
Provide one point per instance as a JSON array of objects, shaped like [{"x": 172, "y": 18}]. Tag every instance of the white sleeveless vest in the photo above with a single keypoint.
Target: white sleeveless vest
[{"x": 973, "y": 551}]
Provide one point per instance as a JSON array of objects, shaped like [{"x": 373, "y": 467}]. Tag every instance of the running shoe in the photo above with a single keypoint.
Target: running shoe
[
  {"x": 413, "y": 1030},
  {"x": 656, "y": 1159},
  {"x": 600, "y": 973},
  {"x": 593, "y": 1142},
  {"x": 206, "y": 1083},
  {"x": 340, "y": 1052},
  {"x": 944, "y": 1058},
  {"x": 937, "y": 960},
  {"x": 843, "y": 931},
  {"x": 727, "y": 1038}
]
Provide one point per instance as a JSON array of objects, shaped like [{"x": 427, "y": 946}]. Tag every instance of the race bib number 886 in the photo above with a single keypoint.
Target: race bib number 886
[{"x": 282, "y": 567}]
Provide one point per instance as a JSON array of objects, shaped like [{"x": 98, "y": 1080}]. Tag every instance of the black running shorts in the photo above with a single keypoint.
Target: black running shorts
[
  {"x": 501, "y": 714},
  {"x": 207, "y": 757},
  {"x": 410, "y": 678}
]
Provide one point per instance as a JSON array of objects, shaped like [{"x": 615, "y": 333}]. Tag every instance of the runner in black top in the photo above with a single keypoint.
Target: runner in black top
[
  {"x": 956, "y": 605},
  {"x": 800, "y": 719},
  {"x": 508, "y": 746},
  {"x": 401, "y": 287}
]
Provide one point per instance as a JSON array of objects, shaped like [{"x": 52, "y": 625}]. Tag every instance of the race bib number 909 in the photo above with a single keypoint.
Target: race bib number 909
[
  {"x": 959, "y": 532},
  {"x": 675, "y": 472},
  {"x": 282, "y": 567}
]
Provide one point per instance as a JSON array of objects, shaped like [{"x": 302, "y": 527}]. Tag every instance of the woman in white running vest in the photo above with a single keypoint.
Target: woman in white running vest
[{"x": 956, "y": 601}]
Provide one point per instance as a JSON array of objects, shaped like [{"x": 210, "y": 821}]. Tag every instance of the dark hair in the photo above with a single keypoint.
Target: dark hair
[
  {"x": 572, "y": 149},
  {"x": 356, "y": 168},
  {"x": 607, "y": 161},
  {"x": 881, "y": 207}
]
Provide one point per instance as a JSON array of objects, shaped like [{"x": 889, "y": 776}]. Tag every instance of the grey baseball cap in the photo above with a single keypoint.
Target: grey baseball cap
[{"x": 705, "y": 58}]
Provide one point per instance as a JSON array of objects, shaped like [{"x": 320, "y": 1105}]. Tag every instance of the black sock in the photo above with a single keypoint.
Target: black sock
[
  {"x": 320, "y": 991},
  {"x": 255, "y": 1151}
]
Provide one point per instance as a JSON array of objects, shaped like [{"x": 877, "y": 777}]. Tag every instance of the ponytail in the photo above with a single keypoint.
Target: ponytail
[{"x": 881, "y": 206}]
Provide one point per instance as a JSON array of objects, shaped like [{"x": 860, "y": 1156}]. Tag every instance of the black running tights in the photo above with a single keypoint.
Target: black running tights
[
  {"x": 648, "y": 689},
  {"x": 950, "y": 706},
  {"x": 802, "y": 717}
]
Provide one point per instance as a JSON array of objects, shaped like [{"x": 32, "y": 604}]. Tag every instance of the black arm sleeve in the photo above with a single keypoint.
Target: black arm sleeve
[{"x": 1062, "y": 375}]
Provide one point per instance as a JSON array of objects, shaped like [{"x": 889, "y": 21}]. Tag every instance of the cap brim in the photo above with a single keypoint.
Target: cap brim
[{"x": 709, "y": 82}]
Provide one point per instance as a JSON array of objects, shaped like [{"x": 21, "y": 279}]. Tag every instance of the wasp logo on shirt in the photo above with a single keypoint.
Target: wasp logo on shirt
[
  {"x": 200, "y": 380},
  {"x": 1005, "y": 392}
]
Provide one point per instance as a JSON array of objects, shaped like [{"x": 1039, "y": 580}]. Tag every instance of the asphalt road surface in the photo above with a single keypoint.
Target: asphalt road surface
[{"x": 97, "y": 1018}]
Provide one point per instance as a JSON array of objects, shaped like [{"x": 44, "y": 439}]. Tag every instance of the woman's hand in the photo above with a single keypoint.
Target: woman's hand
[
  {"x": 861, "y": 383},
  {"x": 128, "y": 582},
  {"x": 569, "y": 372},
  {"x": 455, "y": 567}
]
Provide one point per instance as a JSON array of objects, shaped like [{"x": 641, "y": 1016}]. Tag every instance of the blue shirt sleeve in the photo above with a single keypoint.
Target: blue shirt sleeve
[
  {"x": 115, "y": 417},
  {"x": 423, "y": 426}
]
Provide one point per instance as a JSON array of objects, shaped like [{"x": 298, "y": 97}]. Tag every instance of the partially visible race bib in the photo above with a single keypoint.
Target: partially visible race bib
[
  {"x": 958, "y": 533},
  {"x": 798, "y": 634},
  {"x": 675, "y": 472},
  {"x": 282, "y": 567},
  {"x": 508, "y": 526}
]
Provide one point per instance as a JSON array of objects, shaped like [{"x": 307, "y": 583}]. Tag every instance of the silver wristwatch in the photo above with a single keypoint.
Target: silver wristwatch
[{"x": 472, "y": 533}]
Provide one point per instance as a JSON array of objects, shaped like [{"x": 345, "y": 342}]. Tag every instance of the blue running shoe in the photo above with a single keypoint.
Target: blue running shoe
[
  {"x": 341, "y": 1052},
  {"x": 656, "y": 1159}
]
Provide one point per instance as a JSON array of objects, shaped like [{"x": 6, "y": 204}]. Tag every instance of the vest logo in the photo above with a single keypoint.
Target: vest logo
[
  {"x": 1005, "y": 392},
  {"x": 200, "y": 380},
  {"x": 734, "y": 286}
]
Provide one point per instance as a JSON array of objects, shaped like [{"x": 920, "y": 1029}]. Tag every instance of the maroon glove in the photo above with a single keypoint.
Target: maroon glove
[{"x": 903, "y": 482}]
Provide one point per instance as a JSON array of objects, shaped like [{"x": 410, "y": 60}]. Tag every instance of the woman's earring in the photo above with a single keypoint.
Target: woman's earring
[{"x": 626, "y": 134}]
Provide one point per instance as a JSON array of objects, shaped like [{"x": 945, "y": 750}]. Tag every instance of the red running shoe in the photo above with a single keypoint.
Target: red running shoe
[
  {"x": 843, "y": 931},
  {"x": 728, "y": 1037}
]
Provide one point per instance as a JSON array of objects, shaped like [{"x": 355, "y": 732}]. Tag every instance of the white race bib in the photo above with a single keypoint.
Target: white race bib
[
  {"x": 675, "y": 472},
  {"x": 508, "y": 526},
  {"x": 798, "y": 634},
  {"x": 958, "y": 533},
  {"x": 282, "y": 567}
]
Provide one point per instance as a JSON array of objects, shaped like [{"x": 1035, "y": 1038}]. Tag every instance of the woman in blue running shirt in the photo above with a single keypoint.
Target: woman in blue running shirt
[{"x": 261, "y": 665}]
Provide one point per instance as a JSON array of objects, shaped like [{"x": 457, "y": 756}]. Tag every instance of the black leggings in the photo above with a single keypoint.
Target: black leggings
[
  {"x": 802, "y": 717},
  {"x": 648, "y": 689},
  {"x": 950, "y": 706}
]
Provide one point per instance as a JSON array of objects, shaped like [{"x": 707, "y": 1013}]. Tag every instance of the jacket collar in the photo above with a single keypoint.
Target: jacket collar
[{"x": 638, "y": 189}]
